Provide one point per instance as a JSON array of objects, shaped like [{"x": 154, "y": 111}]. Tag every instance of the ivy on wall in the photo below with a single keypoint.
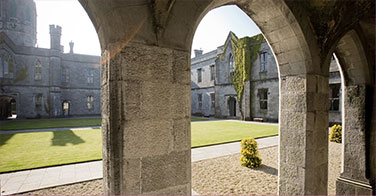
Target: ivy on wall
[
  {"x": 21, "y": 75},
  {"x": 245, "y": 52}
]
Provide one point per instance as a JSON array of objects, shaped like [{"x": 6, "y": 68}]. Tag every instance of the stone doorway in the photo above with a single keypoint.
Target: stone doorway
[
  {"x": 232, "y": 106},
  {"x": 66, "y": 108},
  {"x": 8, "y": 107}
]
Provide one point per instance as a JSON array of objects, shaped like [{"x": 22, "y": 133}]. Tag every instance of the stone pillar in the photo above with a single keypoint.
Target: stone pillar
[
  {"x": 303, "y": 161},
  {"x": 353, "y": 179},
  {"x": 146, "y": 121}
]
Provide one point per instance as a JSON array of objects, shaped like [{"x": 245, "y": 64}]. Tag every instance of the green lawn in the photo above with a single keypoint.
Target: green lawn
[
  {"x": 50, "y": 123},
  {"x": 32, "y": 150},
  {"x": 216, "y": 132},
  {"x": 197, "y": 119},
  {"x": 56, "y": 123}
]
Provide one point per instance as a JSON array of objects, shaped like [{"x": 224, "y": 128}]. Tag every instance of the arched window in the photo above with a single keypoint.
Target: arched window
[
  {"x": 231, "y": 65},
  {"x": 7, "y": 66},
  {"x": 13, "y": 9},
  {"x": 90, "y": 102},
  {"x": 10, "y": 64},
  {"x": 38, "y": 71}
]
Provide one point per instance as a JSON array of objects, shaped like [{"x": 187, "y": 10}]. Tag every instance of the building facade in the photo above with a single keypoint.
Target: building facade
[
  {"x": 39, "y": 82},
  {"x": 212, "y": 86}
]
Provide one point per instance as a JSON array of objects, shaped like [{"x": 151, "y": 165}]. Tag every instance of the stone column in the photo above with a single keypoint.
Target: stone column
[
  {"x": 146, "y": 121},
  {"x": 303, "y": 153},
  {"x": 353, "y": 179}
]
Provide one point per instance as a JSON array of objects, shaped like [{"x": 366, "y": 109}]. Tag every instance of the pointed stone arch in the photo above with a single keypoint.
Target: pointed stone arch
[
  {"x": 358, "y": 78},
  {"x": 145, "y": 50}
]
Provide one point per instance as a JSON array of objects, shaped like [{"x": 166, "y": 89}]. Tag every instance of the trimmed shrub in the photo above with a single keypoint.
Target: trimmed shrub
[
  {"x": 250, "y": 157},
  {"x": 336, "y": 134}
]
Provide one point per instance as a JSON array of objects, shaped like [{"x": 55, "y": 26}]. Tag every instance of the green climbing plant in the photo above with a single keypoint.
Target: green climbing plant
[
  {"x": 21, "y": 75},
  {"x": 245, "y": 51}
]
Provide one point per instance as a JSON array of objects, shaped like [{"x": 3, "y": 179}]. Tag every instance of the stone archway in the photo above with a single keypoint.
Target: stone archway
[
  {"x": 7, "y": 104},
  {"x": 358, "y": 79},
  {"x": 231, "y": 103},
  {"x": 145, "y": 51}
]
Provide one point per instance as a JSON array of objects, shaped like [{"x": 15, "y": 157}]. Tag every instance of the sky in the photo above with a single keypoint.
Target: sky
[{"x": 77, "y": 27}]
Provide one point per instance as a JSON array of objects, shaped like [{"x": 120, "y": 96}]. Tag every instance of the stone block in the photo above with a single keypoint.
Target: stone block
[
  {"x": 317, "y": 179},
  {"x": 181, "y": 134},
  {"x": 180, "y": 102},
  {"x": 131, "y": 177},
  {"x": 294, "y": 84},
  {"x": 293, "y": 102},
  {"x": 156, "y": 100},
  {"x": 146, "y": 63},
  {"x": 320, "y": 101},
  {"x": 105, "y": 67},
  {"x": 321, "y": 123},
  {"x": 297, "y": 122},
  {"x": 296, "y": 156},
  {"x": 105, "y": 95},
  {"x": 114, "y": 68},
  {"x": 181, "y": 70},
  {"x": 164, "y": 171},
  {"x": 147, "y": 138},
  {"x": 131, "y": 93},
  {"x": 288, "y": 172},
  {"x": 345, "y": 186}
]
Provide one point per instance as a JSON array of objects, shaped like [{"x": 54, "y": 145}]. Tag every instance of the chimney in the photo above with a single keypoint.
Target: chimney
[
  {"x": 198, "y": 53},
  {"x": 55, "y": 36},
  {"x": 71, "y": 45}
]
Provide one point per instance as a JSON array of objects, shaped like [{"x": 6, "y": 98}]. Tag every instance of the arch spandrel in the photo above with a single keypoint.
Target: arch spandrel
[{"x": 353, "y": 60}]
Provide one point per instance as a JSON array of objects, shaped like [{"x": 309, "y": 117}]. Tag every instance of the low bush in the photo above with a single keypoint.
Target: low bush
[
  {"x": 250, "y": 157},
  {"x": 336, "y": 134}
]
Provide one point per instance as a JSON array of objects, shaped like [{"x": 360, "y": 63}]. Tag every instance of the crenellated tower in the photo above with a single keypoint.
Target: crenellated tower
[{"x": 18, "y": 19}]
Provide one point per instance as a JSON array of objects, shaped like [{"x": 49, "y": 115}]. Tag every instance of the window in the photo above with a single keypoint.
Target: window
[
  {"x": 212, "y": 100},
  {"x": 199, "y": 100},
  {"x": 212, "y": 73},
  {"x": 90, "y": 102},
  {"x": 13, "y": 9},
  {"x": 38, "y": 71},
  {"x": 199, "y": 75},
  {"x": 90, "y": 76},
  {"x": 6, "y": 66},
  {"x": 263, "y": 62},
  {"x": 38, "y": 101},
  {"x": 334, "y": 93},
  {"x": 231, "y": 65},
  {"x": 65, "y": 75},
  {"x": 263, "y": 95}
]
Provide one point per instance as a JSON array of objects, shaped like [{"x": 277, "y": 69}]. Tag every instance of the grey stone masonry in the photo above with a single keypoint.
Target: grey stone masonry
[
  {"x": 145, "y": 93},
  {"x": 303, "y": 166},
  {"x": 43, "y": 82},
  {"x": 353, "y": 179}
]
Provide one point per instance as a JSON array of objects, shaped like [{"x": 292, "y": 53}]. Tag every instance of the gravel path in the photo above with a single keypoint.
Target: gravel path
[{"x": 221, "y": 176}]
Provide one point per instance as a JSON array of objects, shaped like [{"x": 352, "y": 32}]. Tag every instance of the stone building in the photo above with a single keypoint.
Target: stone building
[
  {"x": 39, "y": 82},
  {"x": 146, "y": 85},
  {"x": 213, "y": 92}
]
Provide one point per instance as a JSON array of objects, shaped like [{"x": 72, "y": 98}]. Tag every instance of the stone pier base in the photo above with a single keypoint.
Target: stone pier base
[{"x": 350, "y": 187}]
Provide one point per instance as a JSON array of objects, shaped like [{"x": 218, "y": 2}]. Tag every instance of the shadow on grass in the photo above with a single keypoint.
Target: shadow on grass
[
  {"x": 4, "y": 138},
  {"x": 267, "y": 169},
  {"x": 62, "y": 138}
]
